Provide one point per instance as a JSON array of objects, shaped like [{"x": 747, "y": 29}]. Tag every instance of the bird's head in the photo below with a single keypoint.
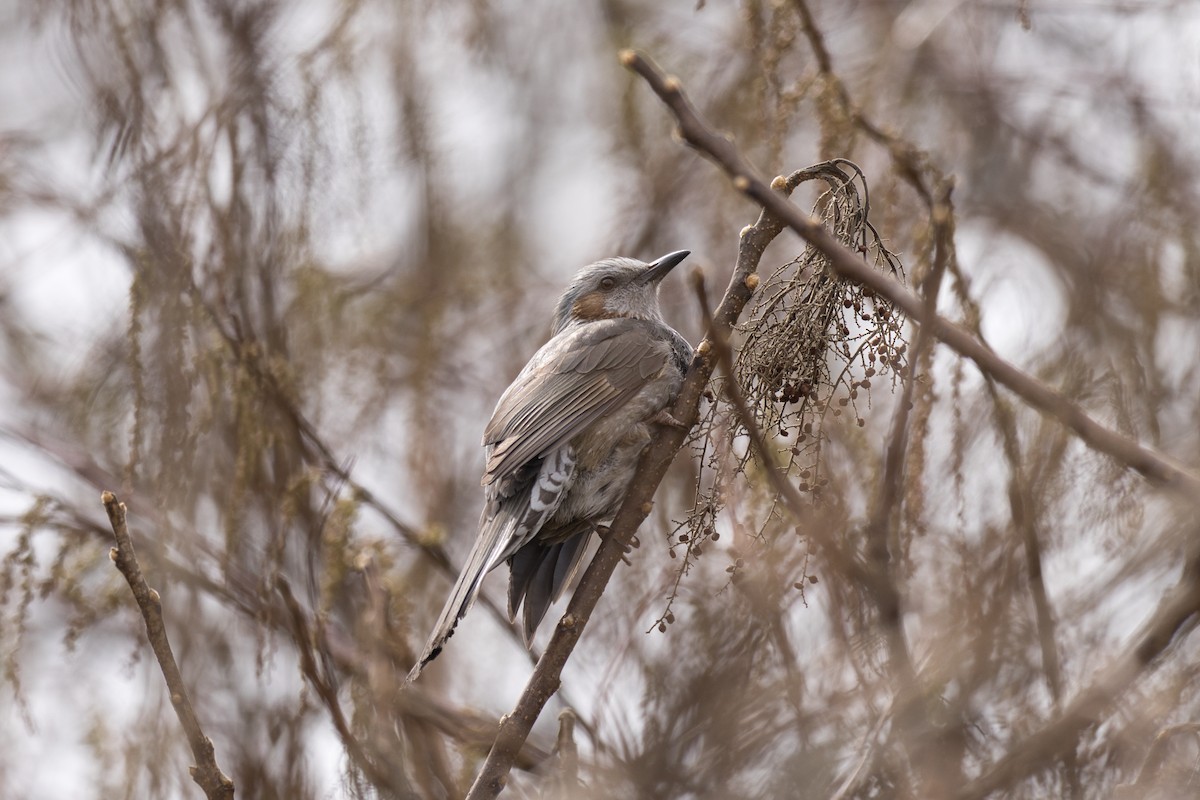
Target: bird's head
[{"x": 615, "y": 287}]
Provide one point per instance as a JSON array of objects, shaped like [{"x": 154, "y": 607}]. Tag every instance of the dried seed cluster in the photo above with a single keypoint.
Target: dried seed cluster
[{"x": 809, "y": 351}]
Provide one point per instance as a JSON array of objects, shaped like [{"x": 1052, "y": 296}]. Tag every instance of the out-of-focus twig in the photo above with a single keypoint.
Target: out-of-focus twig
[
  {"x": 206, "y": 773},
  {"x": 327, "y": 692},
  {"x": 881, "y": 529},
  {"x": 1177, "y": 613},
  {"x": 1020, "y": 503},
  {"x": 469, "y": 727},
  {"x": 568, "y": 754},
  {"x": 1154, "y": 761},
  {"x": 910, "y": 162},
  {"x": 1153, "y": 465},
  {"x": 317, "y": 451}
]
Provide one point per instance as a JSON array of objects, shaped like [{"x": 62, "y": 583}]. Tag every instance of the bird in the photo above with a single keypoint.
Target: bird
[{"x": 563, "y": 442}]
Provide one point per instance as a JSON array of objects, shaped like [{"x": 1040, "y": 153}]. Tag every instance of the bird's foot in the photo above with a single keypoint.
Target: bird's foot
[
  {"x": 664, "y": 417},
  {"x": 605, "y": 531}
]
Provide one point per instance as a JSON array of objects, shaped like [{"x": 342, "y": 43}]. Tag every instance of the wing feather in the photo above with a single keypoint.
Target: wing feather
[{"x": 578, "y": 377}]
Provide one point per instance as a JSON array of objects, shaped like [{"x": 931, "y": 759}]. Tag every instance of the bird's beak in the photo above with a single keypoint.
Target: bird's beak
[{"x": 659, "y": 269}]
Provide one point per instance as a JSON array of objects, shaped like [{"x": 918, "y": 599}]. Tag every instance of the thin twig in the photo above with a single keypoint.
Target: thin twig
[
  {"x": 1020, "y": 502},
  {"x": 793, "y": 501},
  {"x": 1156, "y": 758},
  {"x": 909, "y": 161},
  {"x": 1156, "y": 467},
  {"x": 207, "y": 775},
  {"x": 327, "y": 692},
  {"x": 915, "y": 725}
]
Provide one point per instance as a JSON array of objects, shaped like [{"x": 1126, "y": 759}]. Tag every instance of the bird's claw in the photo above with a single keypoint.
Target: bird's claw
[{"x": 664, "y": 417}]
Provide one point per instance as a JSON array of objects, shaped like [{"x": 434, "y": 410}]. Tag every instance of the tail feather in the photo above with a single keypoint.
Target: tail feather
[
  {"x": 540, "y": 574},
  {"x": 487, "y": 553},
  {"x": 506, "y": 525}
]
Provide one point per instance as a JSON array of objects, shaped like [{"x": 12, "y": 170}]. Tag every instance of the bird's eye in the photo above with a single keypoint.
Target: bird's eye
[{"x": 608, "y": 283}]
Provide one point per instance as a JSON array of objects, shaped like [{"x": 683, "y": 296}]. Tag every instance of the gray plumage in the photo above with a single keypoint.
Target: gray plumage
[{"x": 564, "y": 440}]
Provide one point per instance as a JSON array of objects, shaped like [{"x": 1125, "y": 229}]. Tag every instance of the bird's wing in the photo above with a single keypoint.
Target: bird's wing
[{"x": 578, "y": 377}]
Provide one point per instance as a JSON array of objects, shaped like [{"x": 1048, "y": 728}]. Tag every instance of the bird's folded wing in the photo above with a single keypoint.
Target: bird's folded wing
[{"x": 578, "y": 377}]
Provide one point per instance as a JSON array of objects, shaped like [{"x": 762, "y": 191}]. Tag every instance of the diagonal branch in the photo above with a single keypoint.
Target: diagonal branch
[
  {"x": 1178, "y": 611},
  {"x": 206, "y": 773},
  {"x": 1157, "y": 467},
  {"x": 544, "y": 682},
  {"x": 390, "y": 781}
]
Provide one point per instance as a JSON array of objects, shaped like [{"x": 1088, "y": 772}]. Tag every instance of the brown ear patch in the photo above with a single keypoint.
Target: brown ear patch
[{"x": 591, "y": 306}]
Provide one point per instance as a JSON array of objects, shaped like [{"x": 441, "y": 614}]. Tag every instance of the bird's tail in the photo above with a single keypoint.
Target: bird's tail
[
  {"x": 485, "y": 555},
  {"x": 504, "y": 527},
  {"x": 540, "y": 574}
]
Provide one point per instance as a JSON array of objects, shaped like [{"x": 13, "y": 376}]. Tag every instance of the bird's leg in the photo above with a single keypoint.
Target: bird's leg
[
  {"x": 664, "y": 417},
  {"x": 603, "y": 531}
]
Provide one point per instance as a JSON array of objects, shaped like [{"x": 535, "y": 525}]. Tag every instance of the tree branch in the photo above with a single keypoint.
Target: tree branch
[
  {"x": 1174, "y": 614},
  {"x": 515, "y": 728},
  {"x": 390, "y": 781},
  {"x": 1155, "y": 466},
  {"x": 205, "y": 773}
]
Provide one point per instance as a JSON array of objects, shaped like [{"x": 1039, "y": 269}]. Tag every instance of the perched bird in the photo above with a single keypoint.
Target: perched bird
[{"x": 564, "y": 440}]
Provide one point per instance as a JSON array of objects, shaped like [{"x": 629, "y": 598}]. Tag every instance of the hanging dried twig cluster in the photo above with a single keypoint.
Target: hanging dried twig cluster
[
  {"x": 809, "y": 350},
  {"x": 813, "y": 340}
]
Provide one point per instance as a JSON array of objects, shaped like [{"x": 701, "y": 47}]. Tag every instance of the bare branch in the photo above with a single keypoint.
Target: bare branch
[
  {"x": 206, "y": 773},
  {"x": 1155, "y": 466},
  {"x": 379, "y": 775},
  {"x": 1046, "y": 746},
  {"x": 1175, "y": 614}
]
